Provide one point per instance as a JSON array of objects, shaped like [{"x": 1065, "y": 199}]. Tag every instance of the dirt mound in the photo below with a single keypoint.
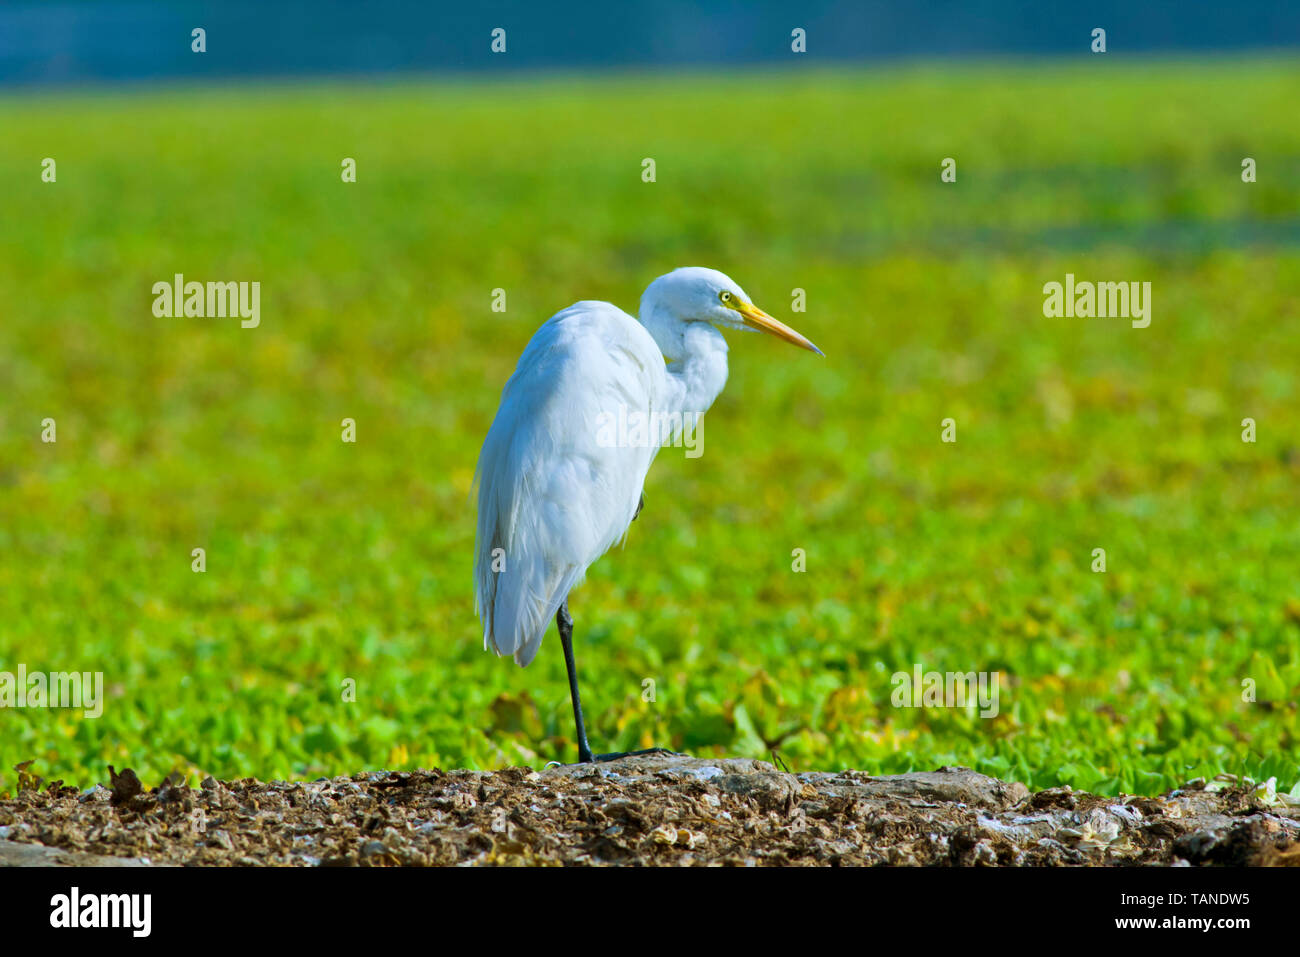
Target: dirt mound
[{"x": 661, "y": 809}]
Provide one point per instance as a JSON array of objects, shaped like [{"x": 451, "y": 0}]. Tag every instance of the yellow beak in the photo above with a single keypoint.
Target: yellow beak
[{"x": 756, "y": 318}]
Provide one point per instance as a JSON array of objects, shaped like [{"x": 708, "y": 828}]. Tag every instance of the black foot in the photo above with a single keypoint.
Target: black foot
[{"x": 615, "y": 755}]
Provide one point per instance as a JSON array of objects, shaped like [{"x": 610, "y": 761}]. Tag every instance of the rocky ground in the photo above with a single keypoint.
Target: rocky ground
[{"x": 662, "y": 809}]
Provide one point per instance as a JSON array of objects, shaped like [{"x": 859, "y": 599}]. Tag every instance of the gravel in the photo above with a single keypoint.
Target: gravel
[{"x": 655, "y": 810}]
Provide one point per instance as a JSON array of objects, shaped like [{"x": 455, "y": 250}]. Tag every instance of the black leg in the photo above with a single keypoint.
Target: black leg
[{"x": 565, "y": 624}]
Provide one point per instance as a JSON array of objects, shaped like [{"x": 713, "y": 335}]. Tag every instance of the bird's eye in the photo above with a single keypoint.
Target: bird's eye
[{"x": 724, "y": 296}]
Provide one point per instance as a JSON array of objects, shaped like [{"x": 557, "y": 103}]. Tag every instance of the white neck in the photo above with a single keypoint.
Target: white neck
[{"x": 698, "y": 369}]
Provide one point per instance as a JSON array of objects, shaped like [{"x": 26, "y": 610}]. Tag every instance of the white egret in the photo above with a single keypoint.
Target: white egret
[{"x": 554, "y": 493}]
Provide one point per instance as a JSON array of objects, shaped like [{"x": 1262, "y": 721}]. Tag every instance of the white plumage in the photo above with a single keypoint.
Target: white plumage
[
  {"x": 550, "y": 497},
  {"x": 553, "y": 494}
]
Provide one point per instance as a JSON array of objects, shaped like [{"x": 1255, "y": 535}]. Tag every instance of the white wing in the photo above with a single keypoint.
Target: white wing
[{"x": 551, "y": 497}]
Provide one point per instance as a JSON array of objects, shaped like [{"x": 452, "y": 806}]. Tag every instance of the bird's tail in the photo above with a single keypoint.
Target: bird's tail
[{"x": 517, "y": 591}]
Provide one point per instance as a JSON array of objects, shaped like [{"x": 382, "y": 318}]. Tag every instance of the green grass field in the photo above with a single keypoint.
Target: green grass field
[{"x": 329, "y": 561}]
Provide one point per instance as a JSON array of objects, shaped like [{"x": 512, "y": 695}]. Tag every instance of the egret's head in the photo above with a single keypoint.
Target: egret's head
[{"x": 697, "y": 294}]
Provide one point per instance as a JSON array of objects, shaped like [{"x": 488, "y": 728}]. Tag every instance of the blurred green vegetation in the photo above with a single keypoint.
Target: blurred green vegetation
[{"x": 328, "y": 561}]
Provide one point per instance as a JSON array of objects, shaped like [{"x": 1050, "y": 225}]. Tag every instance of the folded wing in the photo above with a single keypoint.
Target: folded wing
[{"x": 553, "y": 493}]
